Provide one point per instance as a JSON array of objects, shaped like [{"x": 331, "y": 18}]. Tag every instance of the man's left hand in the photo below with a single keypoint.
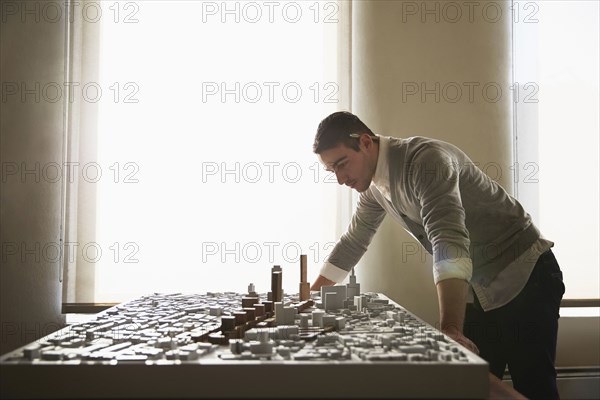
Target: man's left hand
[{"x": 462, "y": 340}]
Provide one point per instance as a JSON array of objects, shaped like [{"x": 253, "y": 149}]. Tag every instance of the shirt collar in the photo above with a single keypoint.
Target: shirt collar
[{"x": 382, "y": 171}]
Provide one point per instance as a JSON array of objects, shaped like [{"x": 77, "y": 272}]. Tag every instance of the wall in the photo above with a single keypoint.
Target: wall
[
  {"x": 578, "y": 339},
  {"x": 31, "y": 126}
]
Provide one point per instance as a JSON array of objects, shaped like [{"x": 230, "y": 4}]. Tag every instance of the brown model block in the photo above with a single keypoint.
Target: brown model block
[
  {"x": 227, "y": 323},
  {"x": 303, "y": 267},
  {"x": 259, "y": 310},
  {"x": 304, "y": 285},
  {"x": 249, "y": 301},
  {"x": 304, "y": 291},
  {"x": 276, "y": 286},
  {"x": 268, "y": 307},
  {"x": 240, "y": 317},
  {"x": 250, "y": 313},
  {"x": 237, "y": 333}
]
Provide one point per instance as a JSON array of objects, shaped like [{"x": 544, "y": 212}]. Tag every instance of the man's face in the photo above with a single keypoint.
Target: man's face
[{"x": 354, "y": 169}]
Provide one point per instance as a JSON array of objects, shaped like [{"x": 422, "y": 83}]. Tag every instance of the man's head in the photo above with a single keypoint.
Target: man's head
[
  {"x": 336, "y": 129},
  {"x": 346, "y": 146}
]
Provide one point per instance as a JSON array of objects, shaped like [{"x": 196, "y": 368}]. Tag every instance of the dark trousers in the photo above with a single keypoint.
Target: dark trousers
[{"x": 523, "y": 332}]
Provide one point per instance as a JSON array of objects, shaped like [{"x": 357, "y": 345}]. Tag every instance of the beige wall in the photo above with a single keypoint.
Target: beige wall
[
  {"x": 578, "y": 341},
  {"x": 31, "y": 132}
]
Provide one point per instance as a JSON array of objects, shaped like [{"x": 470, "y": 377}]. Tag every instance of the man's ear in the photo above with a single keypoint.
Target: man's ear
[{"x": 366, "y": 141}]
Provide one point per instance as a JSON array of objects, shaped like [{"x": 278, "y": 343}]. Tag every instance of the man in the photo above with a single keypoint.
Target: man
[{"x": 499, "y": 286}]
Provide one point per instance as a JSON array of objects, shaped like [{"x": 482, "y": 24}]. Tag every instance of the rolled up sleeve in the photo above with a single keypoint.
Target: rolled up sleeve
[
  {"x": 333, "y": 273},
  {"x": 461, "y": 268}
]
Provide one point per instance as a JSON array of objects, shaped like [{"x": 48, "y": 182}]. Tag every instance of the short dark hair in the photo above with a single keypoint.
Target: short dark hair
[{"x": 336, "y": 128}]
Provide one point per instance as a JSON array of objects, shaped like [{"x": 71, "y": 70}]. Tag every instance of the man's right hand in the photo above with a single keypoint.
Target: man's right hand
[{"x": 321, "y": 281}]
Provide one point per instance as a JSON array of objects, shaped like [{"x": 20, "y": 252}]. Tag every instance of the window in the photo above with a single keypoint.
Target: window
[
  {"x": 203, "y": 141},
  {"x": 556, "y": 125}
]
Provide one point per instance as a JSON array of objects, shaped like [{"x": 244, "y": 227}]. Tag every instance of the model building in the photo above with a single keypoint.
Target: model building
[{"x": 334, "y": 328}]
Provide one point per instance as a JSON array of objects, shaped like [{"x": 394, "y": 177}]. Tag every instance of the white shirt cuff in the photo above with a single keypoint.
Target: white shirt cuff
[
  {"x": 333, "y": 273},
  {"x": 461, "y": 268}
]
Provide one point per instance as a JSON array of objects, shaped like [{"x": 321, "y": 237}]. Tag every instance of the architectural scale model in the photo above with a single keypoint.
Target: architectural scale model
[{"x": 336, "y": 343}]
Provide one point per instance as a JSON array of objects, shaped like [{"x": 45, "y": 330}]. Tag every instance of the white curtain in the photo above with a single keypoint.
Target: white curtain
[
  {"x": 196, "y": 170},
  {"x": 556, "y": 76}
]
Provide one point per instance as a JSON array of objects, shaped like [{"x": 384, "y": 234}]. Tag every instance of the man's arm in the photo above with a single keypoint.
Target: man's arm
[
  {"x": 452, "y": 296},
  {"x": 437, "y": 186},
  {"x": 353, "y": 243}
]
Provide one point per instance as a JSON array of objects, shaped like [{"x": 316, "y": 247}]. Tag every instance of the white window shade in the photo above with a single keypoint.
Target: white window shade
[
  {"x": 204, "y": 139},
  {"x": 556, "y": 113}
]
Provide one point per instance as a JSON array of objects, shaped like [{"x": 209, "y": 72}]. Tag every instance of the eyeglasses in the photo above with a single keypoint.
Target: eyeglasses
[
  {"x": 343, "y": 162},
  {"x": 338, "y": 165},
  {"x": 357, "y": 136}
]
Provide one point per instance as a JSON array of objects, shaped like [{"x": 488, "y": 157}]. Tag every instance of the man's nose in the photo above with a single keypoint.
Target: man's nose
[{"x": 341, "y": 178}]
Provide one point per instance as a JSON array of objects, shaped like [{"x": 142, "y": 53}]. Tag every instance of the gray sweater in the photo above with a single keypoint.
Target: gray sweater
[{"x": 468, "y": 222}]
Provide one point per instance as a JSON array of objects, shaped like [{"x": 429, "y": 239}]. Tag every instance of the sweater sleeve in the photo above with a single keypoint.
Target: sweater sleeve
[
  {"x": 435, "y": 176},
  {"x": 353, "y": 244}
]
